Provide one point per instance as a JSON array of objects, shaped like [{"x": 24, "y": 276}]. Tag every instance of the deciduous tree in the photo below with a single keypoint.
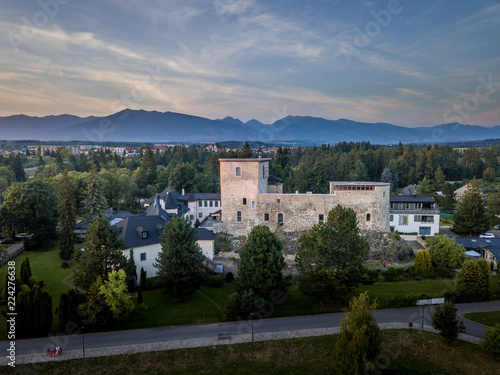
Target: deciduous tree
[{"x": 473, "y": 281}]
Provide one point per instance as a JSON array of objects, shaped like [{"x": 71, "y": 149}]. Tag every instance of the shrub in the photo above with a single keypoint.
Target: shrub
[
  {"x": 391, "y": 274},
  {"x": 423, "y": 262},
  {"x": 240, "y": 305},
  {"x": 370, "y": 277},
  {"x": 213, "y": 281},
  {"x": 406, "y": 300},
  {"x": 491, "y": 343},
  {"x": 152, "y": 283},
  {"x": 444, "y": 319},
  {"x": 64, "y": 265},
  {"x": 473, "y": 281}
]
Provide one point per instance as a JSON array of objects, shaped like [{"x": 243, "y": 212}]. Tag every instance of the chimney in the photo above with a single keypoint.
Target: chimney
[{"x": 183, "y": 191}]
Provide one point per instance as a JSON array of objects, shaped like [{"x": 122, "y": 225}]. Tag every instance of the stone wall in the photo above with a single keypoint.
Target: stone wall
[{"x": 246, "y": 202}]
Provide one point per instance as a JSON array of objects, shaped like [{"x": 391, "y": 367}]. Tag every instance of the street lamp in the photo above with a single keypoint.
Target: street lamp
[
  {"x": 83, "y": 340},
  {"x": 251, "y": 316}
]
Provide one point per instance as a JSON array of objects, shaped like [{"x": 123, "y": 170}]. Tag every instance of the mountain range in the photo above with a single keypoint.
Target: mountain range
[{"x": 170, "y": 127}]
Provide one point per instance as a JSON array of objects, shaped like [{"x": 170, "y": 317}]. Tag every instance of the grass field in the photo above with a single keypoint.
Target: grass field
[
  {"x": 489, "y": 318},
  {"x": 403, "y": 352},
  {"x": 45, "y": 265}
]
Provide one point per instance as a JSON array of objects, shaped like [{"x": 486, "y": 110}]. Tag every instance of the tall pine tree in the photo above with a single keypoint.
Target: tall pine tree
[
  {"x": 471, "y": 218},
  {"x": 95, "y": 202},
  {"x": 67, "y": 220}
]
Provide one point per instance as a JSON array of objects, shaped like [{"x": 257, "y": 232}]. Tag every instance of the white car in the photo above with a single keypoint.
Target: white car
[{"x": 487, "y": 235}]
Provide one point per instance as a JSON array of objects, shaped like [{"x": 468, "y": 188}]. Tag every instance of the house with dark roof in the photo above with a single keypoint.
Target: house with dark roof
[
  {"x": 196, "y": 206},
  {"x": 142, "y": 235},
  {"x": 409, "y": 190},
  {"x": 114, "y": 216},
  {"x": 414, "y": 214},
  {"x": 489, "y": 248}
]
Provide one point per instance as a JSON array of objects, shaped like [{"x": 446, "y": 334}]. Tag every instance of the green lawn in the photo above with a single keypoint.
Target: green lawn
[
  {"x": 404, "y": 352},
  {"x": 204, "y": 306},
  {"x": 489, "y": 318},
  {"x": 45, "y": 265},
  {"x": 385, "y": 291}
]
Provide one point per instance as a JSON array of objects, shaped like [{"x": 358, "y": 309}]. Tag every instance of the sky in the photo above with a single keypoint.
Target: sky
[{"x": 408, "y": 62}]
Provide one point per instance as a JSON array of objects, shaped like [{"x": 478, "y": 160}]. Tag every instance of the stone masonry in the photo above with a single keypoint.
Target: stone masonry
[{"x": 247, "y": 201}]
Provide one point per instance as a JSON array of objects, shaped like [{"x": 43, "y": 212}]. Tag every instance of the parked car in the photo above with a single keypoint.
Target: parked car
[
  {"x": 487, "y": 235},
  {"x": 497, "y": 227}
]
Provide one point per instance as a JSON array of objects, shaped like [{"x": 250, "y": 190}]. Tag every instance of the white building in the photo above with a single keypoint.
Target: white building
[{"x": 414, "y": 214}]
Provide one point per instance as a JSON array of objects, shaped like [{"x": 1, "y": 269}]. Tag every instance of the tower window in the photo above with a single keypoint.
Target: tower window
[
  {"x": 280, "y": 219},
  {"x": 368, "y": 217},
  {"x": 238, "y": 215},
  {"x": 266, "y": 217},
  {"x": 238, "y": 171},
  {"x": 321, "y": 218},
  {"x": 244, "y": 201}
]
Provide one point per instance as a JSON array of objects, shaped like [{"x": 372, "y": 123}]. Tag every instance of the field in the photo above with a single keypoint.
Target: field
[{"x": 404, "y": 352}]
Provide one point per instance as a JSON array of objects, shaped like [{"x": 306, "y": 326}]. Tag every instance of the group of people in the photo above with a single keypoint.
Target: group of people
[{"x": 55, "y": 351}]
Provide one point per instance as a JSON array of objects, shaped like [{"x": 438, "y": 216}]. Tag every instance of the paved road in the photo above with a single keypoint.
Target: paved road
[{"x": 154, "y": 335}]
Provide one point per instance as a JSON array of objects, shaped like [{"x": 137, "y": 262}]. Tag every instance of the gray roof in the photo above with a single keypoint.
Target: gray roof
[
  {"x": 411, "y": 198},
  {"x": 130, "y": 230},
  {"x": 273, "y": 179},
  {"x": 204, "y": 197},
  {"x": 156, "y": 210},
  {"x": 409, "y": 190},
  {"x": 492, "y": 244}
]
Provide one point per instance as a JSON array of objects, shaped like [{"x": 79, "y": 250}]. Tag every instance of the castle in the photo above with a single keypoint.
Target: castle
[{"x": 250, "y": 197}]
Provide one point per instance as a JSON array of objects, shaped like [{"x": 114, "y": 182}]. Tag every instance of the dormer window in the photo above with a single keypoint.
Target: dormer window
[{"x": 144, "y": 234}]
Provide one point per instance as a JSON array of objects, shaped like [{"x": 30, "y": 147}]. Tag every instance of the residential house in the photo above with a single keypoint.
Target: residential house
[
  {"x": 414, "y": 214},
  {"x": 489, "y": 248},
  {"x": 142, "y": 236}
]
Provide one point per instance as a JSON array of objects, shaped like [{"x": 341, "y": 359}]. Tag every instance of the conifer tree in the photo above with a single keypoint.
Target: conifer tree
[
  {"x": 471, "y": 218},
  {"x": 444, "y": 319},
  {"x": 245, "y": 152},
  {"x": 261, "y": 263},
  {"x": 67, "y": 220},
  {"x": 439, "y": 179},
  {"x": 180, "y": 259},
  {"x": 26, "y": 272},
  {"x": 425, "y": 187},
  {"x": 95, "y": 201},
  {"x": 102, "y": 253},
  {"x": 423, "y": 262},
  {"x": 359, "y": 340}
]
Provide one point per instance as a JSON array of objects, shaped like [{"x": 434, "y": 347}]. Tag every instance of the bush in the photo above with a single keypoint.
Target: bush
[
  {"x": 212, "y": 281},
  {"x": 239, "y": 306},
  {"x": 406, "y": 300},
  {"x": 444, "y": 319},
  {"x": 370, "y": 277},
  {"x": 491, "y": 344},
  {"x": 391, "y": 274},
  {"x": 423, "y": 262},
  {"x": 229, "y": 277},
  {"x": 152, "y": 283},
  {"x": 64, "y": 265},
  {"x": 473, "y": 281}
]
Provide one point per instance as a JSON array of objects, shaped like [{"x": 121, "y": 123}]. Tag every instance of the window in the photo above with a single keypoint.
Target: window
[
  {"x": 279, "y": 201},
  {"x": 321, "y": 218},
  {"x": 143, "y": 257},
  {"x": 200, "y": 215},
  {"x": 391, "y": 218},
  {"x": 238, "y": 215},
  {"x": 191, "y": 217},
  {"x": 144, "y": 234},
  {"x": 368, "y": 217},
  {"x": 206, "y": 203},
  {"x": 200, "y": 204},
  {"x": 244, "y": 201},
  {"x": 280, "y": 219},
  {"x": 238, "y": 171},
  {"x": 253, "y": 204},
  {"x": 403, "y": 219},
  {"x": 211, "y": 203},
  {"x": 266, "y": 217},
  {"x": 216, "y": 203}
]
